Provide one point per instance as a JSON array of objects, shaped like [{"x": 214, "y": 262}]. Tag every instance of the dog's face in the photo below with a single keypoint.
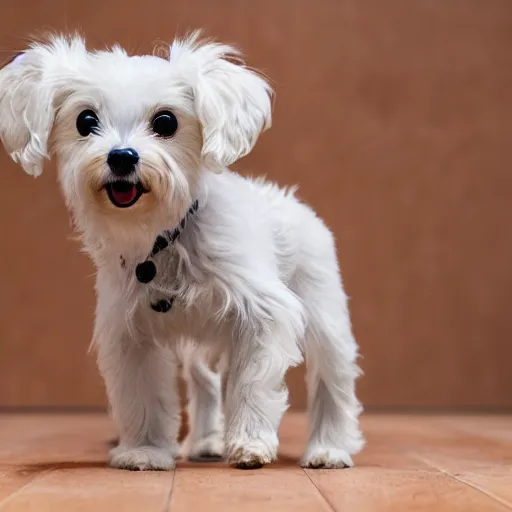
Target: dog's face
[
  {"x": 131, "y": 133},
  {"x": 127, "y": 138}
]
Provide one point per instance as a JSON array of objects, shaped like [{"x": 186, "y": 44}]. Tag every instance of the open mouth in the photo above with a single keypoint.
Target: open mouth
[{"x": 124, "y": 194}]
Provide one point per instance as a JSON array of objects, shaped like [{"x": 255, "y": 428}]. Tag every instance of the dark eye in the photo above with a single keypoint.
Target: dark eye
[
  {"x": 87, "y": 123},
  {"x": 164, "y": 124}
]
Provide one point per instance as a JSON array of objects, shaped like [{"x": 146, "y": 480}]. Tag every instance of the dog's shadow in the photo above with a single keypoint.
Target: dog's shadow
[
  {"x": 43, "y": 467},
  {"x": 112, "y": 443},
  {"x": 40, "y": 467},
  {"x": 283, "y": 460}
]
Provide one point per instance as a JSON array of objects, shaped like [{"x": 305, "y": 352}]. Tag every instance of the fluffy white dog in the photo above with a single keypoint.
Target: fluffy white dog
[{"x": 195, "y": 264}]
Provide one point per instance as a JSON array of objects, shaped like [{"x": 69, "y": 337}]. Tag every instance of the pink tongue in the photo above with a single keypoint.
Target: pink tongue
[{"x": 124, "y": 196}]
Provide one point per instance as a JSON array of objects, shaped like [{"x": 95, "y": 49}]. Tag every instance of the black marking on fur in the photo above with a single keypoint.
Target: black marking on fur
[
  {"x": 145, "y": 271},
  {"x": 161, "y": 243},
  {"x": 174, "y": 234},
  {"x": 169, "y": 236},
  {"x": 163, "y": 305}
]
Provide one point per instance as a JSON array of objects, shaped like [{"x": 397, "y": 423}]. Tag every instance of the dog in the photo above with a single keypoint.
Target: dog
[{"x": 197, "y": 266}]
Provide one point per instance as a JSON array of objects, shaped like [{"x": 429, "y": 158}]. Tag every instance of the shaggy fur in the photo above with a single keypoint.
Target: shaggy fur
[{"x": 254, "y": 275}]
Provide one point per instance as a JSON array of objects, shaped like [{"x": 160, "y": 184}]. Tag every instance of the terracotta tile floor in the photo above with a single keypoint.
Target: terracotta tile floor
[{"x": 412, "y": 462}]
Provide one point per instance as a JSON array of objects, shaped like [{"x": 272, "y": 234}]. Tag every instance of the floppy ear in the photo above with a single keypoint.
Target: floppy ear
[
  {"x": 28, "y": 87},
  {"x": 232, "y": 102}
]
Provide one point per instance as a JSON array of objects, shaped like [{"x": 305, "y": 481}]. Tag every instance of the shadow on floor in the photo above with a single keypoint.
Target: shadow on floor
[
  {"x": 41, "y": 467},
  {"x": 284, "y": 460}
]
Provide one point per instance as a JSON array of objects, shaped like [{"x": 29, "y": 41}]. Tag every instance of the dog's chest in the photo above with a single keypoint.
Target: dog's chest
[{"x": 180, "y": 295}]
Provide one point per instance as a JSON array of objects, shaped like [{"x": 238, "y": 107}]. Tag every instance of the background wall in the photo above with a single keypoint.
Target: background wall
[{"x": 394, "y": 117}]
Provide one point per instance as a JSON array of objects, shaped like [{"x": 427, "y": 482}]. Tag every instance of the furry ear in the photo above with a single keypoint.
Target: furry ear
[
  {"x": 28, "y": 89},
  {"x": 232, "y": 102}
]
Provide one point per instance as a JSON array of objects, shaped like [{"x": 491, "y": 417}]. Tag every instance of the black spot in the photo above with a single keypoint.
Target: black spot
[
  {"x": 162, "y": 306},
  {"x": 183, "y": 222},
  {"x": 145, "y": 272},
  {"x": 160, "y": 244},
  {"x": 123, "y": 261},
  {"x": 174, "y": 235}
]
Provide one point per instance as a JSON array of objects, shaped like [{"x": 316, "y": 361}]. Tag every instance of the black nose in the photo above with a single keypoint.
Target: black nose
[{"x": 122, "y": 161}]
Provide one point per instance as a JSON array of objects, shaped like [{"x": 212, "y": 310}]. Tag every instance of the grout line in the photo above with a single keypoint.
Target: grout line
[
  {"x": 473, "y": 486},
  {"x": 436, "y": 411},
  {"x": 469, "y": 430},
  {"x": 369, "y": 410},
  {"x": 24, "y": 487},
  {"x": 324, "y": 498},
  {"x": 36, "y": 410},
  {"x": 167, "y": 506}
]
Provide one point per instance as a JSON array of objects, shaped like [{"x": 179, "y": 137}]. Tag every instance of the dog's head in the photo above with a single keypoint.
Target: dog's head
[{"x": 131, "y": 133}]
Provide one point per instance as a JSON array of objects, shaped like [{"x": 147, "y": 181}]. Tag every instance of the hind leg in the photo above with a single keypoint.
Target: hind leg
[
  {"x": 331, "y": 354},
  {"x": 334, "y": 431}
]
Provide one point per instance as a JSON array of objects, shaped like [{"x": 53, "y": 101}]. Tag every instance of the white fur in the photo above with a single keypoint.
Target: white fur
[{"x": 254, "y": 274}]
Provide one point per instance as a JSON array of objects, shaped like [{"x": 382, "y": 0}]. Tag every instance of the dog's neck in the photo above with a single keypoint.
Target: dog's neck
[
  {"x": 146, "y": 270},
  {"x": 108, "y": 243},
  {"x": 105, "y": 241}
]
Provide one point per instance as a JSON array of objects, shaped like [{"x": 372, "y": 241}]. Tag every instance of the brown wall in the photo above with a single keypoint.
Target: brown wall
[{"x": 395, "y": 118}]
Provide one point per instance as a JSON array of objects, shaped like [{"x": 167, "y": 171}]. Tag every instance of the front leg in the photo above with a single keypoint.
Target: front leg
[
  {"x": 205, "y": 439},
  {"x": 256, "y": 394},
  {"x": 141, "y": 384}
]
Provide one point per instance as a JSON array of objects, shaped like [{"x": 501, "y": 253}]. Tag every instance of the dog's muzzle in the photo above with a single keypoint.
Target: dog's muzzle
[{"x": 124, "y": 190}]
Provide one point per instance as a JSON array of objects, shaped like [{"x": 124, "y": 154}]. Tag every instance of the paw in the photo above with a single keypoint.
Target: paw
[
  {"x": 326, "y": 457},
  {"x": 251, "y": 454},
  {"x": 209, "y": 448},
  {"x": 143, "y": 458}
]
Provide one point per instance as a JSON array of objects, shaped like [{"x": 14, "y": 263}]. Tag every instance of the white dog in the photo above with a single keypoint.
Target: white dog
[{"x": 195, "y": 264}]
